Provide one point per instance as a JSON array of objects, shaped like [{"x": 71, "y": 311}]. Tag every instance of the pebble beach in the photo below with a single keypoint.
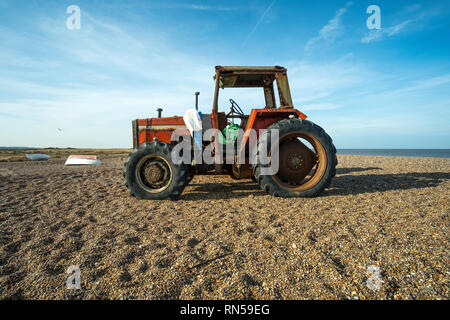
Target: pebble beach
[{"x": 379, "y": 232}]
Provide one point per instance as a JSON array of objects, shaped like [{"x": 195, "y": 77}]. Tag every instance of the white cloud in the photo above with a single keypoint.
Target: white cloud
[
  {"x": 329, "y": 32},
  {"x": 375, "y": 35},
  {"x": 199, "y": 7},
  {"x": 261, "y": 19},
  {"x": 416, "y": 87},
  {"x": 97, "y": 80},
  {"x": 312, "y": 83},
  {"x": 397, "y": 28}
]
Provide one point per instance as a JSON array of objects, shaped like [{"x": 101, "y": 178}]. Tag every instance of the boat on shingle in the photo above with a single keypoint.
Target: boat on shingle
[
  {"x": 82, "y": 159},
  {"x": 37, "y": 156}
]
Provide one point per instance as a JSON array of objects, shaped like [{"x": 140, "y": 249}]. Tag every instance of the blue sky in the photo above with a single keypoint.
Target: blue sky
[{"x": 387, "y": 88}]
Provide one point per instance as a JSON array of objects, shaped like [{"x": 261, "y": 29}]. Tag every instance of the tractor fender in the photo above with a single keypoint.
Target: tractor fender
[{"x": 264, "y": 118}]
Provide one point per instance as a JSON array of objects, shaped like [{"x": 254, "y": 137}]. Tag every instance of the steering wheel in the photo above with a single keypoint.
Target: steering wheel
[{"x": 235, "y": 108}]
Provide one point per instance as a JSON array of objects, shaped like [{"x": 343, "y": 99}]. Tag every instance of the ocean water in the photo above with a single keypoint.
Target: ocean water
[{"x": 436, "y": 153}]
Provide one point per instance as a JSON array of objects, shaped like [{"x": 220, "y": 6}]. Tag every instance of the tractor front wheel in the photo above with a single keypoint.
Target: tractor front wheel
[
  {"x": 151, "y": 174},
  {"x": 307, "y": 159}
]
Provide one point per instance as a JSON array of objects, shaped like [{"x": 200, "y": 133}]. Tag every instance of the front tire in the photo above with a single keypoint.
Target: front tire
[
  {"x": 303, "y": 171},
  {"x": 150, "y": 173}
]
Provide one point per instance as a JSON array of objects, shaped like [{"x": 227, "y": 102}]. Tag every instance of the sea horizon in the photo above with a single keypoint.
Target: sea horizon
[
  {"x": 398, "y": 152},
  {"x": 434, "y": 153}
]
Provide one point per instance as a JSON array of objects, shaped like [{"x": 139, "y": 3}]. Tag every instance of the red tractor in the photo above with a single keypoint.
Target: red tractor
[{"x": 306, "y": 155}]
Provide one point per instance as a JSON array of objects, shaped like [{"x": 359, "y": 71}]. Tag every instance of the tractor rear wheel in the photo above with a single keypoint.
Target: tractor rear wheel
[
  {"x": 151, "y": 174},
  {"x": 307, "y": 159}
]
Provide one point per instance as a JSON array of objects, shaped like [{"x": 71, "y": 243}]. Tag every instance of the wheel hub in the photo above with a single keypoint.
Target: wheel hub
[
  {"x": 296, "y": 161},
  {"x": 154, "y": 173}
]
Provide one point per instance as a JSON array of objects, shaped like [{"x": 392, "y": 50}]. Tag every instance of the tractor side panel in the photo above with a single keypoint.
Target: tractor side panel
[{"x": 162, "y": 128}]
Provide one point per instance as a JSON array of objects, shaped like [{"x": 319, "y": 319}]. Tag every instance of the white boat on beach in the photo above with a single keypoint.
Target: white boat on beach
[
  {"x": 37, "y": 156},
  {"x": 82, "y": 160}
]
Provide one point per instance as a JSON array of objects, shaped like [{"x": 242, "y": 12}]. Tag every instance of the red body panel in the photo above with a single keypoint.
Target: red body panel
[{"x": 161, "y": 128}]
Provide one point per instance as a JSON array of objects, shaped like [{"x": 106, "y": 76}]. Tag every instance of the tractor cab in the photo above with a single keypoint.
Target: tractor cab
[{"x": 250, "y": 77}]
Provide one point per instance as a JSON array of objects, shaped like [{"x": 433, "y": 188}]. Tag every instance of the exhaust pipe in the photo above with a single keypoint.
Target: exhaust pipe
[{"x": 196, "y": 100}]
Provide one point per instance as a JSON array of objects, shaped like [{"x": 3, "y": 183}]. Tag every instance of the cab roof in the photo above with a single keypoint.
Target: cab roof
[{"x": 248, "y": 76}]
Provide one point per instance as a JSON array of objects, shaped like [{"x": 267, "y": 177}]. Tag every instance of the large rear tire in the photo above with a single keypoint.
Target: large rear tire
[
  {"x": 150, "y": 173},
  {"x": 307, "y": 159}
]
